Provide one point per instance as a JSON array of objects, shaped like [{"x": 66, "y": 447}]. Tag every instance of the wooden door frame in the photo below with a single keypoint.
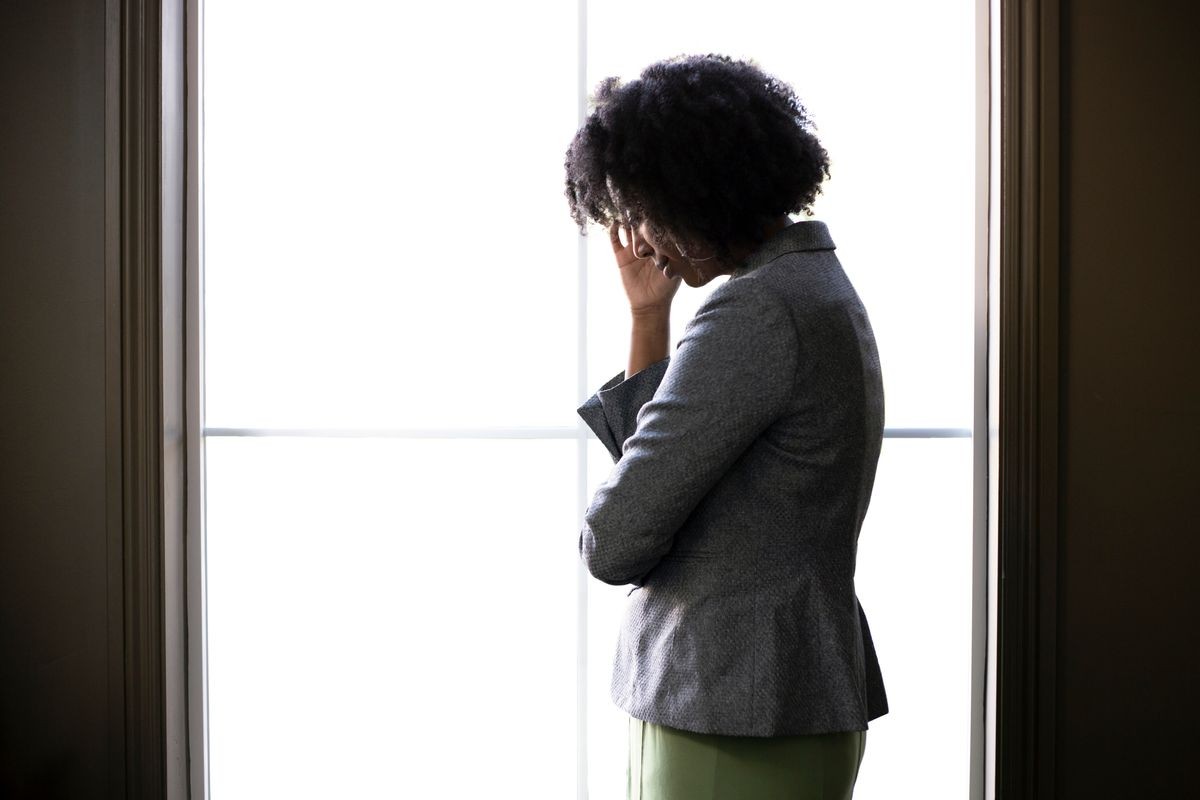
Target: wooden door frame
[
  {"x": 1029, "y": 353},
  {"x": 145, "y": 424},
  {"x": 146, "y": 408}
]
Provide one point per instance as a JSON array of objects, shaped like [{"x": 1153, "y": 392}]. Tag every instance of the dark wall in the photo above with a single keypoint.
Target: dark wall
[
  {"x": 55, "y": 715},
  {"x": 1129, "y": 583}
]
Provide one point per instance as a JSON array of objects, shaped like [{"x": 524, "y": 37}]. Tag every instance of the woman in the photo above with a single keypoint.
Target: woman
[{"x": 744, "y": 462}]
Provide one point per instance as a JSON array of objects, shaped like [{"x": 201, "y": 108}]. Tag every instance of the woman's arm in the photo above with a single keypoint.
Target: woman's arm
[
  {"x": 650, "y": 340},
  {"x": 732, "y": 375}
]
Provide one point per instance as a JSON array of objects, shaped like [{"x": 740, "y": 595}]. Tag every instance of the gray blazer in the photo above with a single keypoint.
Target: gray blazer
[{"x": 743, "y": 468}]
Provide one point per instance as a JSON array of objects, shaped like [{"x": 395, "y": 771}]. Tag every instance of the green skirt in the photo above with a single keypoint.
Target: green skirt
[{"x": 671, "y": 764}]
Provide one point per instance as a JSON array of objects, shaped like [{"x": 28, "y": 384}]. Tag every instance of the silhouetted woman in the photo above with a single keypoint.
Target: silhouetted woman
[{"x": 744, "y": 460}]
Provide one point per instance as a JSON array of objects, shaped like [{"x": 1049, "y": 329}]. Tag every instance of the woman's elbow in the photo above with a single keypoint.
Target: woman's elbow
[{"x": 609, "y": 563}]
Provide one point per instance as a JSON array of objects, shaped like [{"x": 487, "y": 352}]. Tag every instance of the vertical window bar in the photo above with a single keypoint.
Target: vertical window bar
[{"x": 581, "y": 448}]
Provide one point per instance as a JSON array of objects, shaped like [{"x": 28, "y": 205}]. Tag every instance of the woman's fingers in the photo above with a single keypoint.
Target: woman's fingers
[
  {"x": 619, "y": 247},
  {"x": 614, "y": 235}
]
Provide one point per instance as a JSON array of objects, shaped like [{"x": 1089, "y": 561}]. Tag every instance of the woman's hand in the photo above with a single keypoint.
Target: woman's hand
[{"x": 648, "y": 290}]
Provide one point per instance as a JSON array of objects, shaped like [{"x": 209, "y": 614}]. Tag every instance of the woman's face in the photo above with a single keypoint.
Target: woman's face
[{"x": 694, "y": 271}]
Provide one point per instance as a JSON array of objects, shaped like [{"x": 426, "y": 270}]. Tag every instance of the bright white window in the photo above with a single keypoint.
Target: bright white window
[{"x": 400, "y": 320}]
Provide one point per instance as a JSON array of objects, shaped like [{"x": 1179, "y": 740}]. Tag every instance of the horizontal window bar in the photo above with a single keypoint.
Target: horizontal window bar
[
  {"x": 927, "y": 433},
  {"x": 403, "y": 433},
  {"x": 556, "y": 432}
]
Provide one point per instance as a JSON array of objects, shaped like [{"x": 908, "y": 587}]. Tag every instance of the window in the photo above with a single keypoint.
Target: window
[{"x": 400, "y": 320}]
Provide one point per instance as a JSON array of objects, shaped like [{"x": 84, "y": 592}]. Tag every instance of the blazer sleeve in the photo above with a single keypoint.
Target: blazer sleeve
[
  {"x": 612, "y": 412},
  {"x": 732, "y": 375}
]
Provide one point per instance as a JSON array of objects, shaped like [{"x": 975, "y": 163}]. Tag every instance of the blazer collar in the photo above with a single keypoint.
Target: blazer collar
[{"x": 805, "y": 235}]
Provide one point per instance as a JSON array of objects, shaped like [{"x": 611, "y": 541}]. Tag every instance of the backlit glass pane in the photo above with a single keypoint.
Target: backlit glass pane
[
  {"x": 390, "y": 618},
  {"x": 386, "y": 239},
  {"x": 914, "y": 581},
  {"x": 387, "y": 245},
  {"x": 890, "y": 87}
]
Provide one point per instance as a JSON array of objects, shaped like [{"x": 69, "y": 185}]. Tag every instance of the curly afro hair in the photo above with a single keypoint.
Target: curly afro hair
[{"x": 703, "y": 149}]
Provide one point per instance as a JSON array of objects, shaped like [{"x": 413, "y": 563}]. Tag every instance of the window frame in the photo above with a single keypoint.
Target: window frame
[{"x": 186, "y": 750}]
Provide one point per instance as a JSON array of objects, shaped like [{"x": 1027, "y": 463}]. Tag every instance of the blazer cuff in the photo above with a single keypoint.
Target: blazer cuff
[{"x": 612, "y": 411}]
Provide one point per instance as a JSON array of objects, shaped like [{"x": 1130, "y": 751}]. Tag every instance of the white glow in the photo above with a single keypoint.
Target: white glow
[
  {"x": 914, "y": 580},
  {"x": 387, "y": 245},
  {"x": 387, "y": 240},
  {"x": 390, "y": 618},
  {"x": 890, "y": 87}
]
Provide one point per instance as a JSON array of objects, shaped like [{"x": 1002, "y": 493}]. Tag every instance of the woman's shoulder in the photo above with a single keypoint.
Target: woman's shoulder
[{"x": 745, "y": 300}]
